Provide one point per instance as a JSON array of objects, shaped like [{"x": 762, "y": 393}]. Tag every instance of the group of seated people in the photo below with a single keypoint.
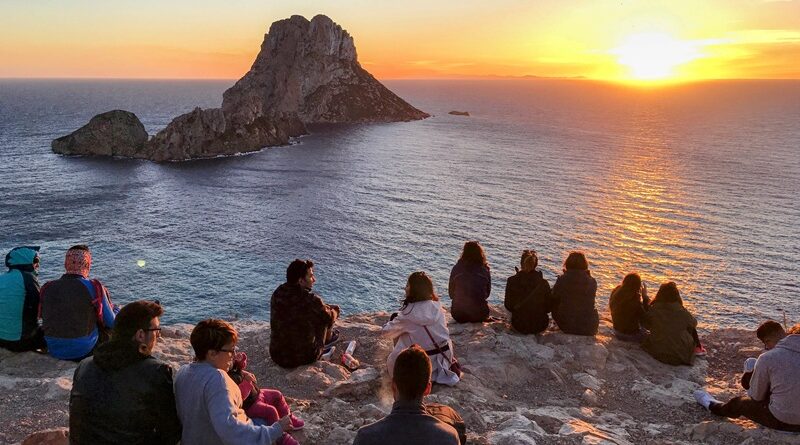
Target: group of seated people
[{"x": 122, "y": 394}]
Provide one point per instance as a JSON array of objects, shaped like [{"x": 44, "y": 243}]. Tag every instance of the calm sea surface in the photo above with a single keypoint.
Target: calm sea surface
[{"x": 697, "y": 184}]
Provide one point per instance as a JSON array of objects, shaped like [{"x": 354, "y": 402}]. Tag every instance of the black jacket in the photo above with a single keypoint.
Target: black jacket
[
  {"x": 627, "y": 310},
  {"x": 408, "y": 423},
  {"x": 575, "y": 312},
  {"x": 298, "y": 322},
  {"x": 121, "y": 396},
  {"x": 529, "y": 301},
  {"x": 469, "y": 288}
]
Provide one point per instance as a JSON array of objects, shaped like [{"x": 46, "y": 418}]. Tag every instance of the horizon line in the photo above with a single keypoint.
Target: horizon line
[{"x": 454, "y": 77}]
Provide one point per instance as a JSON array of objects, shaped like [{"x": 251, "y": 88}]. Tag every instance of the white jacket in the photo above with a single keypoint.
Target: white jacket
[{"x": 407, "y": 329}]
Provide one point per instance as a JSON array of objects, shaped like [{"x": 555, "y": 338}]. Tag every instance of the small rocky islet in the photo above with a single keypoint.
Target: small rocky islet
[{"x": 307, "y": 72}]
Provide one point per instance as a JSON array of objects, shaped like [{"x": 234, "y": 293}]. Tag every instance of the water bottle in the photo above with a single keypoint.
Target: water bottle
[{"x": 348, "y": 360}]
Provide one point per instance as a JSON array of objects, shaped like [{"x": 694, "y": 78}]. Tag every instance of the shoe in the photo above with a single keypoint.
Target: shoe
[
  {"x": 704, "y": 399},
  {"x": 287, "y": 439},
  {"x": 334, "y": 337},
  {"x": 297, "y": 423},
  {"x": 700, "y": 351}
]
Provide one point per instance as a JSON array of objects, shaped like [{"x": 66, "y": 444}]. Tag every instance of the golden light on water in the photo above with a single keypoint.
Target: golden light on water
[{"x": 653, "y": 56}]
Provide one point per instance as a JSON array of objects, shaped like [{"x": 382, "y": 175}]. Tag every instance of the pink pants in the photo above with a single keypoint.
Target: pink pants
[{"x": 270, "y": 406}]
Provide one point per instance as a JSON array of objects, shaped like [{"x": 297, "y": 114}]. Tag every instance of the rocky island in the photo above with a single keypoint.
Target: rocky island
[
  {"x": 517, "y": 390},
  {"x": 307, "y": 72}
]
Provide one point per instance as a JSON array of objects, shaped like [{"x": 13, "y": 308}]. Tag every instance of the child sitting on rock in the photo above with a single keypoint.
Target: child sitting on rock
[{"x": 265, "y": 406}]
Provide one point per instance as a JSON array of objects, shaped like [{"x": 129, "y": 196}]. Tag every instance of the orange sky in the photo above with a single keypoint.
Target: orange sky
[{"x": 411, "y": 39}]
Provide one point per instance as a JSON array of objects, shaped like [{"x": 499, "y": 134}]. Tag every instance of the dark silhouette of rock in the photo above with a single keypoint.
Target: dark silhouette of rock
[
  {"x": 113, "y": 133},
  {"x": 307, "y": 72},
  {"x": 459, "y": 113}
]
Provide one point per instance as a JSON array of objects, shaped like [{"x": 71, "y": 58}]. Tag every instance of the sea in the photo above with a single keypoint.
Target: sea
[{"x": 696, "y": 184}]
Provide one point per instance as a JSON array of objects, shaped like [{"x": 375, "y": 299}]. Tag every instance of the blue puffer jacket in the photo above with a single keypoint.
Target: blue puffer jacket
[{"x": 19, "y": 295}]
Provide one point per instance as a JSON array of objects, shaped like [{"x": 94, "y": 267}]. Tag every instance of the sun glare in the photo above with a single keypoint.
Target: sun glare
[{"x": 654, "y": 56}]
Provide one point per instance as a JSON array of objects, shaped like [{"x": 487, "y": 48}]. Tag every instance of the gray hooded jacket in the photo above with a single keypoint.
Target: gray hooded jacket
[{"x": 777, "y": 377}]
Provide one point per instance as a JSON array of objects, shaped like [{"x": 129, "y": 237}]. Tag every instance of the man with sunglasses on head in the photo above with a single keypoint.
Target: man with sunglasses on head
[
  {"x": 19, "y": 301},
  {"x": 123, "y": 394}
]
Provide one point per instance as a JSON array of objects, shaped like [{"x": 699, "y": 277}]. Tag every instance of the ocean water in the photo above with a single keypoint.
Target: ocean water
[{"x": 698, "y": 184}]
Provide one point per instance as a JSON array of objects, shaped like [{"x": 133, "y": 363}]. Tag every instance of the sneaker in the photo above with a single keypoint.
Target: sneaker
[
  {"x": 287, "y": 439},
  {"x": 297, "y": 423},
  {"x": 334, "y": 337},
  {"x": 704, "y": 399},
  {"x": 700, "y": 351}
]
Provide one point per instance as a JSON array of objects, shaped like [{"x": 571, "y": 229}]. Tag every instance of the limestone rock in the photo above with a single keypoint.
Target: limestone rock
[
  {"x": 306, "y": 72},
  {"x": 56, "y": 436},
  {"x": 113, "y": 133}
]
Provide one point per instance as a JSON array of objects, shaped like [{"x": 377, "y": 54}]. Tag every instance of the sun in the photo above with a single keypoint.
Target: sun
[{"x": 653, "y": 56}]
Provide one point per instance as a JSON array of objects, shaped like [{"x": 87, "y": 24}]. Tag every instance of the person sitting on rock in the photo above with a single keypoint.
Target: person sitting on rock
[
  {"x": 421, "y": 320},
  {"x": 774, "y": 394},
  {"x": 628, "y": 304},
  {"x": 123, "y": 394},
  {"x": 673, "y": 330},
  {"x": 19, "y": 301},
  {"x": 574, "y": 292},
  {"x": 470, "y": 285},
  {"x": 301, "y": 324},
  {"x": 411, "y": 420},
  {"x": 262, "y": 405},
  {"x": 770, "y": 333},
  {"x": 528, "y": 297},
  {"x": 76, "y": 312},
  {"x": 209, "y": 402}
]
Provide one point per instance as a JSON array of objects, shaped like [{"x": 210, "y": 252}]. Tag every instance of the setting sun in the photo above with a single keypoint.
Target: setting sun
[{"x": 654, "y": 55}]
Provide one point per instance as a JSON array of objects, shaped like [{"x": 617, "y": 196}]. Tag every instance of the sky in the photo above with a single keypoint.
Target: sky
[{"x": 676, "y": 40}]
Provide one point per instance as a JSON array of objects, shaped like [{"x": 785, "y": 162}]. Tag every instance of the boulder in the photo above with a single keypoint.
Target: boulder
[{"x": 113, "y": 133}]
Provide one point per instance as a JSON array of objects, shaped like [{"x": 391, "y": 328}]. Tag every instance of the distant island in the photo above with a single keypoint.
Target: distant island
[{"x": 307, "y": 72}]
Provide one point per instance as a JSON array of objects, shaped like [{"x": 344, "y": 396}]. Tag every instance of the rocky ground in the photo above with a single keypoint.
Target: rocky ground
[{"x": 548, "y": 389}]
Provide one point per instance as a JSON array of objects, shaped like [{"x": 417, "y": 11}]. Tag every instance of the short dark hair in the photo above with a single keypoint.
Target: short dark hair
[
  {"x": 297, "y": 269},
  {"x": 668, "y": 293},
  {"x": 80, "y": 247},
  {"x": 412, "y": 373},
  {"x": 526, "y": 255},
  {"x": 420, "y": 288},
  {"x": 576, "y": 260},
  {"x": 211, "y": 334},
  {"x": 135, "y": 316},
  {"x": 769, "y": 329}
]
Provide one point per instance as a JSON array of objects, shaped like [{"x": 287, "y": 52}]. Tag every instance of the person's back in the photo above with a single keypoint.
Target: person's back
[
  {"x": 299, "y": 321},
  {"x": 122, "y": 394},
  {"x": 670, "y": 340},
  {"x": 575, "y": 311},
  {"x": 777, "y": 377},
  {"x": 628, "y": 304},
  {"x": 408, "y": 423},
  {"x": 19, "y": 301},
  {"x": 529, "y": 300},
  {"x": 469, "y": 289},
  {"x": 74, "y": 309}
]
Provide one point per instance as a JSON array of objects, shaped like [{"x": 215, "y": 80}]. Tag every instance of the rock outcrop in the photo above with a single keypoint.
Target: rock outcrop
[
  {"x": 459, "y": 113},
  {"x": 113, "y": 133},
  {"x": 307, "y": 72},
  {"x": 548, "y": 389}
]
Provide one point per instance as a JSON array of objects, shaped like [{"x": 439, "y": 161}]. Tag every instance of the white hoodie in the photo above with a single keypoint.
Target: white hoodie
[{"x": 407, "y": 329}]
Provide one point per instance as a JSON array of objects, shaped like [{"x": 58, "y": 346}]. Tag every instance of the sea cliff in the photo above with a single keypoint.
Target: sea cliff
[{"x": 548, "y": 389}]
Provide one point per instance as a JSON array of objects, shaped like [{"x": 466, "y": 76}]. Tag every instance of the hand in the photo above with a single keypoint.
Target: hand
[
  {"x": 249, "y": 376},
  {"x": 286, "y": 423},
  {"x": 644, "y": 289}
]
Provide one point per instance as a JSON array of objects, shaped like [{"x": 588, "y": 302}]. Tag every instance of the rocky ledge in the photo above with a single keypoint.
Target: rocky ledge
[
  {"x": 548, "y": 389},
  {"x": 307, "y": 72}
]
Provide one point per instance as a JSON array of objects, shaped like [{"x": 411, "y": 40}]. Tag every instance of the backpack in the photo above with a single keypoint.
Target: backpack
[{"x": 449, "y": 416}]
